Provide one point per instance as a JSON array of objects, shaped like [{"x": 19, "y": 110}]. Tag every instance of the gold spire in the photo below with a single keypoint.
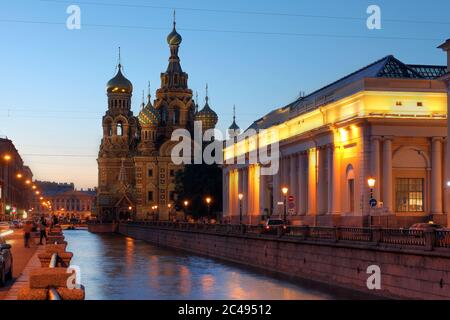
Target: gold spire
[
  {"x": 148, "y": 93},
  {"x": 119, "y": 65}
]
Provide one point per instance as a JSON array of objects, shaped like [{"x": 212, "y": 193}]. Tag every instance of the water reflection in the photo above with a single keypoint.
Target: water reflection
[{"x": 115, "y": 267}]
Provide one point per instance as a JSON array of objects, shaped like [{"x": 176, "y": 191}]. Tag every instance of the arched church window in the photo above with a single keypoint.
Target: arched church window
[
  {"x": 163, "y": 115},
  {"x": 120, "y": 128},
  {"x": 176, "y": 116}
]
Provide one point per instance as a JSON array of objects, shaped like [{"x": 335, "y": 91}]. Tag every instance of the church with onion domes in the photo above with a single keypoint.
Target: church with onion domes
[{"x": 136, "y": 176}]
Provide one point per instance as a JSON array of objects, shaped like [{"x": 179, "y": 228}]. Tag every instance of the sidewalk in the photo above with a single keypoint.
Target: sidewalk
[{"x": 24, "y": 259}]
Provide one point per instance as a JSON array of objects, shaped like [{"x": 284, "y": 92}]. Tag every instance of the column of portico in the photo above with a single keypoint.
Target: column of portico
[
  {"x": 225, "y": 191},
  {"x": 302, "y": 194},
  {"x": 276, "y": 189},
  {"x": 387, "y": 174},
  {"x": 245, "y": 191},
  {"x": 293, "y": 177},
  {"x": 336, "y": 180},
  {"x": 255, "y": 184},
  {"x": 321, "y": 183},
  {"x": 334, "y": 192},
  {"x": 237, "y": 180},
  {"x": 250, "y": 188},
  {"x": 436, "y": 175},
  {"x": 375, "y": 161},
  {"x": 262, "y": 192},
  {"x": 285, "y": 182},
  {"x": 312, "y": 182}
]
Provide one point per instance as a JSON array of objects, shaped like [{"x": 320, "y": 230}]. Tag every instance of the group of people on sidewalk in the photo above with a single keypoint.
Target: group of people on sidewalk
[{"x": 41, "y": 226}]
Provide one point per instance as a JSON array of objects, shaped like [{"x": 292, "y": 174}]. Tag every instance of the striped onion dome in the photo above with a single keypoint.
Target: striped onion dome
[{"x": 148, "y": 116}]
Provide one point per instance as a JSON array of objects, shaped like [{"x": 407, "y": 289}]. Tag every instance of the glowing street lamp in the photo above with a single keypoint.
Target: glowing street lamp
[
  {"x": 7, "y": 157},
  {"x": 19, "y": 176},
  {"x": 37, "y": 192},
  {"x": 285, "y": 190},
  {"x": 208, "y": 203},
  {"x": 240, "y": 196},
  {"x": 33, "y": 187},
  {"x": 28, "y": 181},
  {"x": 371, "y": 183}
]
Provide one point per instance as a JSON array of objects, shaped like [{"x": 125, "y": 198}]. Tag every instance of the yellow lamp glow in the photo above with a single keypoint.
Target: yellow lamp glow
[
  {"x": 284, "y": 190},
  {"x": 240, "y": 196},
  {"x": 371, "y": 182}
]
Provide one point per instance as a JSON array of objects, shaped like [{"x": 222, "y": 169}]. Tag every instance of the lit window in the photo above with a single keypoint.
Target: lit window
[
  {"x": 119, "y": 129},
  {"x": 409, "y": 195}
]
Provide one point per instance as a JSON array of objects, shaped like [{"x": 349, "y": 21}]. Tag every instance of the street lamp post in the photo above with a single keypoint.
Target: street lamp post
[
  {"x": 285, "y": 190},
  {"x": 371, "y": 183},
  {"x": 208, "y": 203},
  {"x": 7, "y": 192},
  {"x": 240, "y": 196}
]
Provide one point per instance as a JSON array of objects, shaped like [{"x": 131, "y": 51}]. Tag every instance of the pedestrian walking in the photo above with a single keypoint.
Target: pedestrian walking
[
  {"x": 55, "y": 220},
  {"x": 28, "y": 227},
  {"x": 43, "y": 230}
]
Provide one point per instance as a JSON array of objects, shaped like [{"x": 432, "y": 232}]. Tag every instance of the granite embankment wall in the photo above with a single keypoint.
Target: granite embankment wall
[{"x": 405, "y": 273}]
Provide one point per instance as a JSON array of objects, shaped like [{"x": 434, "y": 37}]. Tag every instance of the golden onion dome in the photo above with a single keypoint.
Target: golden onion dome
[
  {"x": 119, "y": 84},
  {"x": 207, "y": 116},
  {"x": 148, "y": 116},
  {"x": 174, "y": 38}
]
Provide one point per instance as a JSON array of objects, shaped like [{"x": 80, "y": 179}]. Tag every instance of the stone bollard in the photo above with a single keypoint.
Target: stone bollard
[
  {"x": 59, "y": 247},
  {"x": 41, "y": 279},
  {"x": 55, "y": 238},
  {"x": 64, "y": 258}
]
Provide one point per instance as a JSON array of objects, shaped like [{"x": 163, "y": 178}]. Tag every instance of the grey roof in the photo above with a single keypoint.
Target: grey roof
[{"x": 387, "y": 67}]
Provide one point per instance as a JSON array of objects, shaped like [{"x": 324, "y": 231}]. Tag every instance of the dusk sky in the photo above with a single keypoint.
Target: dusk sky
[{"x": 256, "y": 54}]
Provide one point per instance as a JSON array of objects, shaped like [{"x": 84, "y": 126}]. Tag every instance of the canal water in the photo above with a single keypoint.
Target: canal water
[{"x": 114, "y": 267}]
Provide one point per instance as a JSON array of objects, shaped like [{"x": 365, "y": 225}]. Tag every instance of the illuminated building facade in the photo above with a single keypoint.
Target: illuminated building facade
[
  {"x": 135, "y": 170},
  {"x": 15, "y": 195},
  {"x": 387, "y": 121},
  {"x": 64, "y": 200}
]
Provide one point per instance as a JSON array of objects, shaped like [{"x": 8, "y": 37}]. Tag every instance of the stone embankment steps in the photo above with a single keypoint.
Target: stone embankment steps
[{"x": 39, "y": 278}]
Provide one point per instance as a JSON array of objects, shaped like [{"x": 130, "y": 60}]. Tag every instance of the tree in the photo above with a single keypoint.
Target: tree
[{"x": 194, "y": 183}]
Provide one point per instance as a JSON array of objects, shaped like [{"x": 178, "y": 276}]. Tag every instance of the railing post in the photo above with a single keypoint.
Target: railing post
[
  {"x": 307, "y": 232},
  {"x": 337, "y": 234},
  {"x": 430, "y": 239},
  {"x": 376, "y": 235}
]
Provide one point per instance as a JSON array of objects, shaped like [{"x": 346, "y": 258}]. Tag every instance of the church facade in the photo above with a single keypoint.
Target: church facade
[{"x": 136, "y": 176}]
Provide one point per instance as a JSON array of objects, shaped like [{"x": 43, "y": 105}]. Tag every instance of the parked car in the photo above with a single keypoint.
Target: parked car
[
  {"x": 6, "y": 262},
  {"x": 271, "y": 226}
]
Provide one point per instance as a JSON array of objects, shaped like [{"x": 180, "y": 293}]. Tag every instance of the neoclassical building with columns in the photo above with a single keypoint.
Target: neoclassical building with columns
[{"x": 386, "y": 121}]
